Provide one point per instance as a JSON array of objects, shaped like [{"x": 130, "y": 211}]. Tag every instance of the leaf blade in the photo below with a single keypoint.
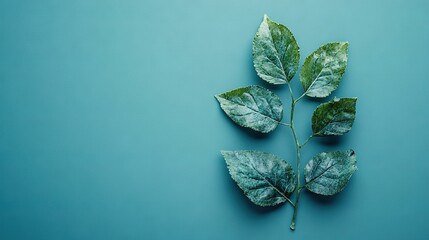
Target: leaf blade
[
  {"x": 329, "y": 172},
  {"x": 323, "y": 69},
  {"x": 335, "y": 117},
  {"x": 265, "y": 179},
  {"x": 275, "y": 52},
  {"x": 253, "y": 107}
]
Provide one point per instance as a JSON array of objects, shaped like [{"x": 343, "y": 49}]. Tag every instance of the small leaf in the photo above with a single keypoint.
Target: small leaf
[
  {"x": 266, "y": 179},
  {"x": 323, "y": 69},
  {"x": 335, "y": 117},
  {"x": 329, "y": 172},
  {"x": 275, "y": 52},
  {"x": 253, "y": 107}
]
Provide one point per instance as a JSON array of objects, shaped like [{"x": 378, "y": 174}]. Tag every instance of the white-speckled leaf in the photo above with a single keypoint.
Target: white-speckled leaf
[
  {"x": 335, "y": 117},
  {"x": 275, "y": 52},
  {"x": 322, "y": 70},
  {"x": 266, "y": 179},
  {"x": 329, "y": 172},
  {"x": 254, "y": 107}
]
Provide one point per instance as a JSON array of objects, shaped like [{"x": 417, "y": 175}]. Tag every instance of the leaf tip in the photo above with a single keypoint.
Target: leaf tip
[
  {"x": 217, "y": 96},
  {"x": 346, "y": 44},
  {"x": 224, "y": 152},
  {"x": 352, "y": 155}
]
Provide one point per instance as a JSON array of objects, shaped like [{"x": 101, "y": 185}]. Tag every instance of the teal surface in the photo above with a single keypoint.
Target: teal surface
[{"x": 109, "y": 128}]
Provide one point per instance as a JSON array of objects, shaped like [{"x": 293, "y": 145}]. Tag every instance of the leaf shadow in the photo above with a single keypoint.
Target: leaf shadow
[
  {"x": 317, "y": 100},
  {"x": 329, "y": 200},
  {"x": 239, "y": 198},
  {"x": 329, "y": 140},
  {"x": 332, "y": 140},
  {"x": 253, "y": 134},
  {"x": 247, "y": 131}
]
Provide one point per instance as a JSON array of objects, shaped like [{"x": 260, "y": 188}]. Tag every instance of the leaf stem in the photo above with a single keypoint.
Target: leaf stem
[
  {"x": 300, "y": 97},
  {"x": 306, "y": 141},
  {"x": 292, "y": 225},
  {"x": 284, "y": 124},
  {"x": 289, "y": 201},
  {"x": 298, "y": 157}
]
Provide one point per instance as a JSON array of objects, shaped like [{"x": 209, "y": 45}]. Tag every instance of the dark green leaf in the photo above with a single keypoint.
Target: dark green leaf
[
  {"x": 335, "y": 117},
  {"x": 329, "y": 172},
  {"x": 253, "y": 107},
  {"x": 275, "y": 52},
  {"x": 266, "y": 179},
  {"x": 323, "y": 69}
]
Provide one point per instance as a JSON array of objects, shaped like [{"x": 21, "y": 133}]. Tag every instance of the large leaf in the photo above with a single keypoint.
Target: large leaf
[
  {"x": 323, "y": 69},
  {"x": 253, "y": 107},
  {"x": 266, "y": 179},
  {"x": 275, "y": 52},
  {"x": 329, "y": 172},
  {"x": 335, "y": 117}
]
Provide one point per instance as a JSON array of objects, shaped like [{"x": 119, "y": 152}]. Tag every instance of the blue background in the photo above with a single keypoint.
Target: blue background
[{"x": 109, "y": 128}]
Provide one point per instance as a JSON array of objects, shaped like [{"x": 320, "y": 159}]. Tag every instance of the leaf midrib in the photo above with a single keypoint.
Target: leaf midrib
[
  {"x": 331, "y": 121},
  {"x": 252, "y": 109},
  {"x": 275, "y": 188},
  {"x": 320, "y": 175},
  {"x": 277, "y": 53}
]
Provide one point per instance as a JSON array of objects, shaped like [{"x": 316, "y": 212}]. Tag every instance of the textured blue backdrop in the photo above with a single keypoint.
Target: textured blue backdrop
[{"x": 109, "y": 128}]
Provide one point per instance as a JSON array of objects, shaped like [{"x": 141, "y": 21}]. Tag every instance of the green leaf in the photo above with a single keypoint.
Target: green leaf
[
  {"x": 266, "y": 179},
  {"x": 323, "y": 69},
  {"x": 329, "y": 172},
  {"x": 254, "y": 107},
  {"x": 275, "y": 52},
  {"x": 335, "y": 117}
]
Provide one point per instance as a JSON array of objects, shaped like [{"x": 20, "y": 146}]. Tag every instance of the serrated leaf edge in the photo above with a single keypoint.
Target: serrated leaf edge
[
  {"x": 282, "y": 68},
  {"x": 217, "y": 96},
  {"x": 322, "y": 104},
  {"x": 355, "y": 168},
  {"x": 308, "y": 59},
  {"x": 244, "y": 192}
]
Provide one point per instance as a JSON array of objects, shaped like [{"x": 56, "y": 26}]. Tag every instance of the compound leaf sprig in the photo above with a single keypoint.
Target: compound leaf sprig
[{"x": 266, "y": 179}]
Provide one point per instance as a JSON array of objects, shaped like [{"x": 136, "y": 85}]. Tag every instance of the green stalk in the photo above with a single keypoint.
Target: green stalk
[{"x": 298, "y": 159}]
